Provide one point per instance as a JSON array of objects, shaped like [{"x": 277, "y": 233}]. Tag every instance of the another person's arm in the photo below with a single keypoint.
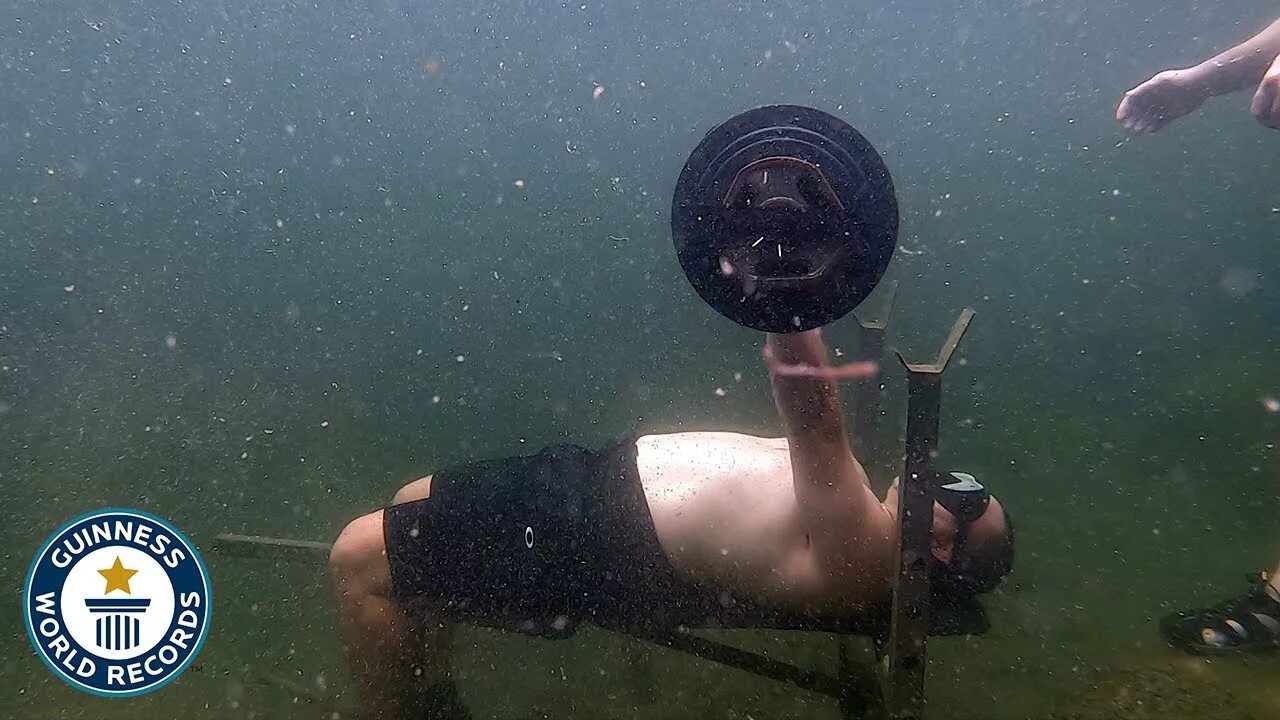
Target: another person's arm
[
  {"x": 1242, "y": 66},
  {"x": 1266, "y": 100},
  {"x": 848, "y": 528},
  {"x": 1173, "y": 93}
]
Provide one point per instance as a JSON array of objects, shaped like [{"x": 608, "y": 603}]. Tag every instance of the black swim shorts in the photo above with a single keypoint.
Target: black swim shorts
[{"x": 536, "y": 544}]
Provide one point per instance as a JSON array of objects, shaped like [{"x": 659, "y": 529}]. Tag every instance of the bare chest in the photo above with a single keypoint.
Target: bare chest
[{"x": 724, "y": 508}]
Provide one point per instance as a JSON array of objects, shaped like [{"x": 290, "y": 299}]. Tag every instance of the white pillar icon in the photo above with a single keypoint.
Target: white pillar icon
[{"x": 117, "y": 627}]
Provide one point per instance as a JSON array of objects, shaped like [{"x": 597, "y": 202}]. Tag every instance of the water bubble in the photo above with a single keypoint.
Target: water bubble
[{"x": 1239, "y": 281}]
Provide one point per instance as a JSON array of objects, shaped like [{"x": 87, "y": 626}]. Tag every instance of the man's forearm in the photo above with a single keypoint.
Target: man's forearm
[
  {"x": 848, "y": 529},
  {"x": 1242, "y": 66},
  {"x": 806, "y": 404}
]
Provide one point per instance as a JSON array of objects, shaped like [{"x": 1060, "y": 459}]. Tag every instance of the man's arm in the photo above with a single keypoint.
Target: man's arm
[
  {"x": 848, "y": 528},
  {"x": 1242, "y": 66},
  {"x": 1173, "y": 93}
]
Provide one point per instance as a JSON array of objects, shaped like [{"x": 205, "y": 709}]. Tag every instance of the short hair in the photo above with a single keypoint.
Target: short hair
[
  {"x": 993, "y": 560},
  {"x": 978, "y": 568}
]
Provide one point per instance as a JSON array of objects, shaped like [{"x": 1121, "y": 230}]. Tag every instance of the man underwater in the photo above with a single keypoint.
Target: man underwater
[{"x": 655, "y": 532}]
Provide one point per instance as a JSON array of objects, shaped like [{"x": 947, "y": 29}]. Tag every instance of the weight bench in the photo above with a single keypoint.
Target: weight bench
[{"x": 892, "y": 687}]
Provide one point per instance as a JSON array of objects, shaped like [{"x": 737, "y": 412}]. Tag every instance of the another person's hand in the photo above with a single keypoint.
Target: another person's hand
[
  {"x": 1164, "y": 98},
  {"x": 1266, "y": 101}
]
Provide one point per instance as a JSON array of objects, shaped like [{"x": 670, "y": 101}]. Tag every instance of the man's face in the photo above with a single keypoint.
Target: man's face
[
  {"x": 946, "y": 528},
  {"x": 988, "y": 528}
]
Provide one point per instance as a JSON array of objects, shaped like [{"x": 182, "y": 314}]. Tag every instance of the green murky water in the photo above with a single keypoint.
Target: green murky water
[{"x": 260, "y": 264}]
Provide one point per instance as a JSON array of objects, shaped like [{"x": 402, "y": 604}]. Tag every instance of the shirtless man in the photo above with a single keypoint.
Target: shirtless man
[{"x": 654, "y": 532}]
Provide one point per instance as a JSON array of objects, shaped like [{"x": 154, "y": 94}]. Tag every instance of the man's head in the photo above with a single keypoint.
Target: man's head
[{"x": 972, "y": 537}]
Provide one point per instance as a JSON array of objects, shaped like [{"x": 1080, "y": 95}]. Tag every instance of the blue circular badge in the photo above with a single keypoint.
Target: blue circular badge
[{"x": 117, "y": 602}]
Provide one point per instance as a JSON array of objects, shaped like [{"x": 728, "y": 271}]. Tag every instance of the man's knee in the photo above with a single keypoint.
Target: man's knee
[
  {"x": 358, "y": 560},
  {"x": 419, "y": 489}
]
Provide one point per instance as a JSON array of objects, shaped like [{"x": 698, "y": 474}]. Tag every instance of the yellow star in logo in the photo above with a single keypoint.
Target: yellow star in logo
[{"x": 117, "y": 577}]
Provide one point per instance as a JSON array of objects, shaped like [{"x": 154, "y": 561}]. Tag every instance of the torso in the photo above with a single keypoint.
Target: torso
[{"x": 725, "y": 512}]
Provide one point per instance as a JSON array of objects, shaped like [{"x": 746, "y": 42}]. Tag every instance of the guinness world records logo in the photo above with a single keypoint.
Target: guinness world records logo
[{"x": 117, "y": 602}]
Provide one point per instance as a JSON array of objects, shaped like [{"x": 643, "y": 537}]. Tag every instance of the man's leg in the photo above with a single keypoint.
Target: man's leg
[
  {"x": 400, "y": 663},
  {"x": 1247, "y": 623}
]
